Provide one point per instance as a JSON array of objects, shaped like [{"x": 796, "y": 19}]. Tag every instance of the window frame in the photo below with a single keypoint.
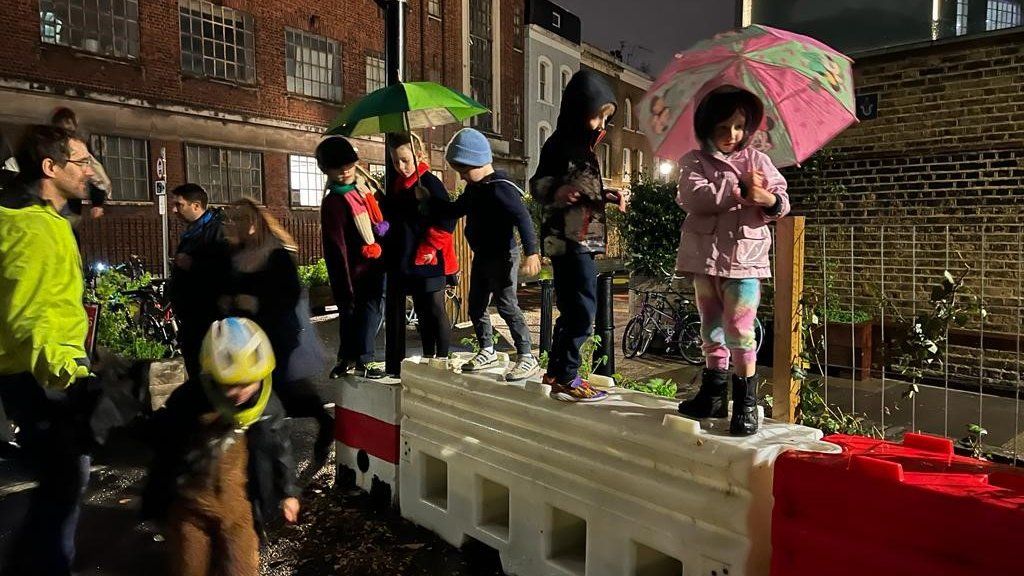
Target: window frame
[
  {"x": 481, "y": 70},
  {"x": 627, "y": 164},
  {"x": 305, "y": 193},
  {"x": 606, "y": 161},
  {"x": 333, "y": 89},
  {"x": 99, "y": 146},
  {"x": 244, "y": 63},
  {"x": 628, "y": 109},
  {"x": 556, "y": 20},
  {"x": 439, "y": 6},
  {"x": 564, "y": 76},
  {"x": 543, "y": 128},
  {"x": 55, "y": 30},
  {"x": 226, "y": 170},
  {"x": 378, "y": 57},
  {"x": 544, "y": 78}
]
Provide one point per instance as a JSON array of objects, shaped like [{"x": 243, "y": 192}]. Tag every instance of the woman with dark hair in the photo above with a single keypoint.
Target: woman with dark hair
[
  {"x": 419, "y": 250},
  {"x": 264, "y": 286}
]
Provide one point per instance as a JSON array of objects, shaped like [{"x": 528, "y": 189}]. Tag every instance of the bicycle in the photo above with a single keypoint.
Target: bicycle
[
  {"x": 679, "y": 327},
  {"x": 155, "y": 315},
  {"x": 451, "y": 294}
]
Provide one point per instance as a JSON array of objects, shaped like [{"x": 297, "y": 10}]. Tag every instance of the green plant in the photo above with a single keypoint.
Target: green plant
[
  {"x": 650, "y": 229},
  {"x": 314, "y": 274},
  {"x": 116, "y": 326},
  {"x": 657, "y": 386},
  {"x": 973, "y": 440},
  {"x": 587, "y": 361}
]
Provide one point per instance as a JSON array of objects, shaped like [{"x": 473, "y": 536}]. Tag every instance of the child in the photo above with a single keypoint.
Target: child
[
  {"x": 730, "y": 193},
  {"x": 420, "y": 251},
  {"x": 351, "y": 225},
  {"x": 568, "y": 186},
  {"x": 494, "y": 209},
  {"x": 214, "y": 456}
]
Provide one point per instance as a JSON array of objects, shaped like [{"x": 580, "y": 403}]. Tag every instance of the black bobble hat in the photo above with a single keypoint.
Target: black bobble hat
[{"x": 335, "y": 152}]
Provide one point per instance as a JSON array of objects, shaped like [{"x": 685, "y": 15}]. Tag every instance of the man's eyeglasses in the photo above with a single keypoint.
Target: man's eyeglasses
[{"x": 81, "y": 162}]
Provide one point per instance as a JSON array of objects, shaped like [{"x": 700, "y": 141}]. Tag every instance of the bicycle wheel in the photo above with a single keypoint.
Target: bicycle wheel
[
  {"x": 758, "y": 334},
  {"x": 632, "y": 337},
  {"x": 689, "y": 342},
  {"x": 650, "y": 326}
]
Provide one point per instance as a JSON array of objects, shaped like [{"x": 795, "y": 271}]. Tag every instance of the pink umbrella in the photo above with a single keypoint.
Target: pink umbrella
[{"x": 806, "y": 88}]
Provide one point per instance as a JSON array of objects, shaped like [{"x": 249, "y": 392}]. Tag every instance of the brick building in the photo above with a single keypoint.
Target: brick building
[
  {"x": 237, "y": 94},
  {"x": 930, "y": 178},
  {"x": 625, "y": 150}
]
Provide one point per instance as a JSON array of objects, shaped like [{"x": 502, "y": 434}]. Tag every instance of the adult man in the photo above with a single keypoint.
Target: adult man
[
  {"x": 43, "y": 325},
  {"x": 201, "y": 264},
  {"x": 99, "y": 184}
]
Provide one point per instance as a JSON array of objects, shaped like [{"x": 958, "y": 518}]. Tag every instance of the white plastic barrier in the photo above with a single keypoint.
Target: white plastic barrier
[
  {"x": 621, "y": 487},
  {"x": 367, "y": 418}
]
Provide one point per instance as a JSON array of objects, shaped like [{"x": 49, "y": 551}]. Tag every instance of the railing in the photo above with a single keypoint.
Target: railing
[{"x": 911, "y": 327}]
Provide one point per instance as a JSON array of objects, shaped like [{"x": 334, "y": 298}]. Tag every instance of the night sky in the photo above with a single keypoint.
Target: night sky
[{"x": 653, "y": 29}]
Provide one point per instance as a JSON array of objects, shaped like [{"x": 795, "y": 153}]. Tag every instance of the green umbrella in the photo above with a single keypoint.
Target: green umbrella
[{"x": 403, "y": 107}]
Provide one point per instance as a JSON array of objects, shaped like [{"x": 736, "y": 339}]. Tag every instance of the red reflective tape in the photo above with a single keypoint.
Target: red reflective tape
[{"x": 376, "y": 437}]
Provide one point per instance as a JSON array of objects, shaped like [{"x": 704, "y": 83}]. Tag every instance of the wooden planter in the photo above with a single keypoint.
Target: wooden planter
[
  {"x": 320, "y": 297},
  {"x": 849, "y": 348}
]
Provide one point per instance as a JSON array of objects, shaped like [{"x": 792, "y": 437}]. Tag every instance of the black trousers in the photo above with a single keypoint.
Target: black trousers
[
  {"x": 575, "y": 280},
  {"x": 495, "y": 279},
  {"x": 359, "y": 320}
]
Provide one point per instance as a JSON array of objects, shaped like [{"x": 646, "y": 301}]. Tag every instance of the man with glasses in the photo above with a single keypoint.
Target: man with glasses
[{"x": 43, "y": 363}]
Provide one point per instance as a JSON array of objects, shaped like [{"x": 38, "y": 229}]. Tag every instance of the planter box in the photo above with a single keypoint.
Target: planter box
[
  {"x": 849, "y": 350},
  {"x": 320, "y": 297}
]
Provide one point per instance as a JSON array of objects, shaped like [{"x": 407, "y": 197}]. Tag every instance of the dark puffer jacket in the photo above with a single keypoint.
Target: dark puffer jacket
[{"x": 568, "y": 159}]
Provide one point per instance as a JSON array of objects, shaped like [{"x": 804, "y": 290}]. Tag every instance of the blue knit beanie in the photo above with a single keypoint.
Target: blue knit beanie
[{"x": 469, "y": 147}]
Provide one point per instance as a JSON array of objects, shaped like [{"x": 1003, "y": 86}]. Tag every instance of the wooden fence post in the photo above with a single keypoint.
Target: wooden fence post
[{"x": 789, "y": 286}]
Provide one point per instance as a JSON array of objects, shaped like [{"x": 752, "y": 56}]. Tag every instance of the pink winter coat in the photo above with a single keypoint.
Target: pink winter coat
[{"x": 724, "y": 234}]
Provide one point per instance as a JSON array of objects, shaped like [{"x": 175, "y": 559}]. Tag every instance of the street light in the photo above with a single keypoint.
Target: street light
[{"x": 665, "y": 168}]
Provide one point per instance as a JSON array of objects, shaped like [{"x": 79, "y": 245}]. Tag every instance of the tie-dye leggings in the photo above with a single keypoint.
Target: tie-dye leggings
[{"x": 727, "y": 309}]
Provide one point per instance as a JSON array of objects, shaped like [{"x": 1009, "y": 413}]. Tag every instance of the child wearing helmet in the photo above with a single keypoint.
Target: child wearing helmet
[{"x": 222, "y": 470}]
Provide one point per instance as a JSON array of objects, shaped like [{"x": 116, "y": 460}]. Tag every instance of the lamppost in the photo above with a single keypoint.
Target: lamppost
[{"x": 394, "y": 303}]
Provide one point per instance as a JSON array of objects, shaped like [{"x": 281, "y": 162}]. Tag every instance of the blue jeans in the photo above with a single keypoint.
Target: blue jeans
[
  {"x": 45, "y": 544},
  {"x": 575, "y": 280}
]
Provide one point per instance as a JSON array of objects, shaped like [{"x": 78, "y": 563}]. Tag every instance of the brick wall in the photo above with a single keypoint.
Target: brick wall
[{"x": 945, "y": 154}]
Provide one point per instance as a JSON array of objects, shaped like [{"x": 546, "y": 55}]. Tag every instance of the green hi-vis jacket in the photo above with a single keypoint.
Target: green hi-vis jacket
[{"x": 43, "y": 324}]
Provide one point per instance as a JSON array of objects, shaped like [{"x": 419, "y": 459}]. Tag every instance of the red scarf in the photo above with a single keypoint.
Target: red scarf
[{"x": 408, "y": 182}]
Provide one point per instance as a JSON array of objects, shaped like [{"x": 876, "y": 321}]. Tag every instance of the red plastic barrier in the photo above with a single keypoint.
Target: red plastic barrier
[{"x": 882, "y": 508}]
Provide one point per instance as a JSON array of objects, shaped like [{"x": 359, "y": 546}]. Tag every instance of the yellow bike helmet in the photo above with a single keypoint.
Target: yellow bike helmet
[{"x": 236, "y": 352}]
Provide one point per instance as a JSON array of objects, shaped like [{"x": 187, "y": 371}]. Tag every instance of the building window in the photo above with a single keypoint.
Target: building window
[
  {"x": 227, "y": 175},
  {"x": 217, "y": 42},
  {"x": 376, "y": 74},
  {"x": 628, "y": 109},
  {"x": 106, "y": 27},
  {"x": 517, "y": 117},
  {"x": 377, "y": 171},
  {"x": 481, "y": 39},
  {"x": 627, "y": 164},
  {"x": 556, "y": 20},
  {"x": 1003, "y": 14},
  {"x": 543, "y": 131},
  {"x": 126, "y": 161},
  {"x": 606, "y": 161},
  {"x": 313, "y": 65},
  {"x": 544, "y": 81},
  {"x": 307, "y": 181},
  {"x": 640, "y": 162},
  {"x": 517, "y": 27},
  {"x": 434, "y": 8},
  {"x": 566, "y": 75}
]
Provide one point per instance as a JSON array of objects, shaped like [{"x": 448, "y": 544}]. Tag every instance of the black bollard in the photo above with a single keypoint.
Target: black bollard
[
  {"x": 394, "y": 306},
  {"x": 604, "y": 325},
  {"x": 546, "y": 305}
]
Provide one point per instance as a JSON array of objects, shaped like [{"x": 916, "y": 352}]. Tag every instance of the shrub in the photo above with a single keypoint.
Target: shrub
[
  {"x": 314, "y": 274},
  {"x": 650, "y": 229}
]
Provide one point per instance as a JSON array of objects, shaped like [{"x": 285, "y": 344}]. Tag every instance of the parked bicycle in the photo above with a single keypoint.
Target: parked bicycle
[{"x": 673, "y": 317}]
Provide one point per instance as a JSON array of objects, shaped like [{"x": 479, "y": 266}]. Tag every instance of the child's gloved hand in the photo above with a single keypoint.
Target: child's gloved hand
[
  {"x": 381, "y": 228},
  {"x": 425, "y": 257},
  {"x": 290, "y": 510}
]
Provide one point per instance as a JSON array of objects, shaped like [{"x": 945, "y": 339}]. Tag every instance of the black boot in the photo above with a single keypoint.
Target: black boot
[
  {"x": 711, "y": 400},
  {"x": 744, "y": 406}
]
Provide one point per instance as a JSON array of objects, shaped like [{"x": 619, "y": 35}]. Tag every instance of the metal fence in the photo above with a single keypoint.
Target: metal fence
[{"x": 900, "y": 349}]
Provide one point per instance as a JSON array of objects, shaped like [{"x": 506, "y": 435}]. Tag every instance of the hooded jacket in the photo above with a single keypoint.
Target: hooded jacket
[
  {"x": 568, "y": 159},
  {"x": 194, "y": 291},
  {"x": 43, "y": 324},
  {"x": 724, "y": 234}
]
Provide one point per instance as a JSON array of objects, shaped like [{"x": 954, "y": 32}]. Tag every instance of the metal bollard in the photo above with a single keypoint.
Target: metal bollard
[
  {"x": 604, "y": 325},
  {"x": 546, "y": 312}
]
